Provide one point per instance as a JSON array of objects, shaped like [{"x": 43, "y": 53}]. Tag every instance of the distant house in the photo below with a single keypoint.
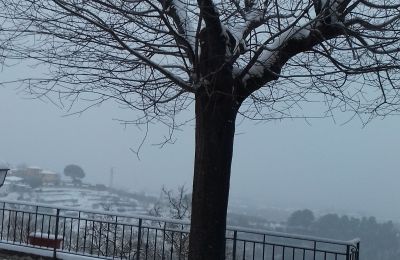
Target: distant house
[
  {"x": 45, "y": 176},
  {"x": 49, "y": 176},
  {"x": 26, "y": 172}
]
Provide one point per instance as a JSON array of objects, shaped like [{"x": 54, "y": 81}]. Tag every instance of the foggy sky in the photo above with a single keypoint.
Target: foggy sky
[{"x": 283, "y": 163}]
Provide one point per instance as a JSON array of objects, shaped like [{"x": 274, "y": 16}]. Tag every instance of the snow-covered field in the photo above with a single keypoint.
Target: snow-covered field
[{"x": 84, "y": 197}]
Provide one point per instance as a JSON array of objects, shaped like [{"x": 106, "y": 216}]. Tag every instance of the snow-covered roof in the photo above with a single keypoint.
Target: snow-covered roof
[
  {"x": 48, "y": 172},
  {"x": 22, "y": 185},
  {"x": 13, "y": 178},
  {"x": 34, "y": 168}
]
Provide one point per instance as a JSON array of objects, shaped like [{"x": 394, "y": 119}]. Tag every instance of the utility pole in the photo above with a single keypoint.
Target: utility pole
[{"x": 111, "y": 178}]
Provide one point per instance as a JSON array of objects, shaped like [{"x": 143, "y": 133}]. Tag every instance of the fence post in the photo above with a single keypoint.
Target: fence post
[
  {"x": 56, "y": 234},
  {"x": 315, "y": 250},
  {"x": 358, "y": 251},
  {"x": 2, "y": 221},
  {"x": 347, "y": 252},
  {"x": 139, "y": 239},
  {"x": 234, "y": 244}
]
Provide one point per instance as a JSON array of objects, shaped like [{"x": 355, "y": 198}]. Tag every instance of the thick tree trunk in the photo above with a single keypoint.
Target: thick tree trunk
[{"x": 215, "y": 128}]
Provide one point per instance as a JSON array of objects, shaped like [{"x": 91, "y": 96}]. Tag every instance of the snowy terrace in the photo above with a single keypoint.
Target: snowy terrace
[{"x": 71, "y": 233}]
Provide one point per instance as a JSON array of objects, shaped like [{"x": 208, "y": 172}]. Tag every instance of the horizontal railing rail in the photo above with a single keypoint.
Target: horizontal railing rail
[{"x": 123, "y": 236}]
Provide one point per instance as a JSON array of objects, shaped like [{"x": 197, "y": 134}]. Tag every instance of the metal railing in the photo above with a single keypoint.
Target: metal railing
[{"x": 119, "y": 236}]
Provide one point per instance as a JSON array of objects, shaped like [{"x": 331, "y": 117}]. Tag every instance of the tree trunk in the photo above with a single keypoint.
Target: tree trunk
[{"x": 215, "y": 128}]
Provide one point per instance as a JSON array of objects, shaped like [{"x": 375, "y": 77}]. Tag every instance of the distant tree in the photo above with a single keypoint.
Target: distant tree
[
  {"x": 379, "y": 240},
  {"x": 301, "y": 218},
  {"x": 74, "y": 171},
  {"x": 173, "y": 204},
  {"x": 331, "y": 226},
  {"x": 176, "y": 205}
]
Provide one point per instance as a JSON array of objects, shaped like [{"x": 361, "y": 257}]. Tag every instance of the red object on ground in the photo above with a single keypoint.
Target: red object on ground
[{"x": 44, "y": 240}]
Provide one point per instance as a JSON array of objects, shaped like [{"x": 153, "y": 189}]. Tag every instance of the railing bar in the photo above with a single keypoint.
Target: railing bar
[
  {"x": 172, "y": 245},
  {"x": 79, "y": 227},
  {"x": 263, "y": 249},
  {"x": 48, "y": 227},
  {"x": 64, "y": 228},
  {"x": 234, "y": 245},
  {"x": 254, "y": 250},
  {"x": 28, "y": 228},
  {"x": 92, "y": 242},
  {"x": 8, "y": 224},
  {"x": 293, "y": 253},
  {"x": 42, "y": 226},
  {"x": 273, "y": 252},
  {"x": 155, "y": 245},
  {"x": 180, "y": 246},
  {"x": 107, "y": 237},
  {"x": 70, "y": 235},
  {"x": 15, "y": 226},
  {"x": 283, "y": 252},
  {"x": 244, "y": 250},
  {"x": 22, "y": 228},
  {"x": 324, "y": 255},
  {"x": 163, "y": 244},
  {"x": 304, "y": 254},
  {"x": 36, "y": 216},
  {"x": 315, "y": 249},
  {"x": 99, "y": 246},
  {"x": 123, "y": 238},
  {"x": 139, "y": 239},
  {"x": 115, "y": 236},
  {"x": 56, "y": 233},
  {"x": 147, "y": 242},
  {"x": 130, "y": 243},
  {"x": 2, "y": 221},
  {"x": 84, "y": 238}
]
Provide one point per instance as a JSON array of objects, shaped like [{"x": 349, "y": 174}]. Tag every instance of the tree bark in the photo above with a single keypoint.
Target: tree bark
[{"x": 215, "y": 129}]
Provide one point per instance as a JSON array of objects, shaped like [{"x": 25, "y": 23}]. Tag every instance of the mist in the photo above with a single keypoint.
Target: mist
[{"x": 318, "y": 164}]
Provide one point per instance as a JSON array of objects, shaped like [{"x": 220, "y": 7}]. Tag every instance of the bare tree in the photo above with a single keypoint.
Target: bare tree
[
  {"x": 263, "y": 59},
  {"x": 175, "y": 205}
]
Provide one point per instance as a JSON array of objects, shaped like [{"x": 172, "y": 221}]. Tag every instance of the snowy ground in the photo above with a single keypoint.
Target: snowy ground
[
  {"x": 89, "y": 197},
  {"x": 18, "y": 252}
]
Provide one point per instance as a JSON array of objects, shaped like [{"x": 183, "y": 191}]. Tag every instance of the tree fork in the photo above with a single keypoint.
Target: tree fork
[{"x": 215, "y": 129}]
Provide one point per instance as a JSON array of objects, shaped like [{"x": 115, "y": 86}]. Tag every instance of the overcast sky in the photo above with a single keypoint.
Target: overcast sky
[{"x": 283, "y": 163}]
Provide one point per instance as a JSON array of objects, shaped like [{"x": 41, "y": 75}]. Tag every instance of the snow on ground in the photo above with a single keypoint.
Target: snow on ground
[
  {"x": 91, "y": 198},
  {"x": 36, "y": 252}
]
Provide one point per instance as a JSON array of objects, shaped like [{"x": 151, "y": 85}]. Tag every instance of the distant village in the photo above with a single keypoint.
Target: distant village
[
  {"x": 37, "y": 185},
  {"x": 24, "y": 176},
  {"x": 31, "y": 177}
]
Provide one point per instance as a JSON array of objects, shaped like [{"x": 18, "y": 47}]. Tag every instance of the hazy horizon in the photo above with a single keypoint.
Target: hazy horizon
[{"x": 285, "y": 163}]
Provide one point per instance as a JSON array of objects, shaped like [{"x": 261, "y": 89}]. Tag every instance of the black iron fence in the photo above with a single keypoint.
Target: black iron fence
[{"x": 119, "y": 236}]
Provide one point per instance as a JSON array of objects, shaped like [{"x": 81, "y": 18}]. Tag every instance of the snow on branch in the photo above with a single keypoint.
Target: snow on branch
[
  {"x": 179, "y": 12},
  {"x": 270, "y": 53}
]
